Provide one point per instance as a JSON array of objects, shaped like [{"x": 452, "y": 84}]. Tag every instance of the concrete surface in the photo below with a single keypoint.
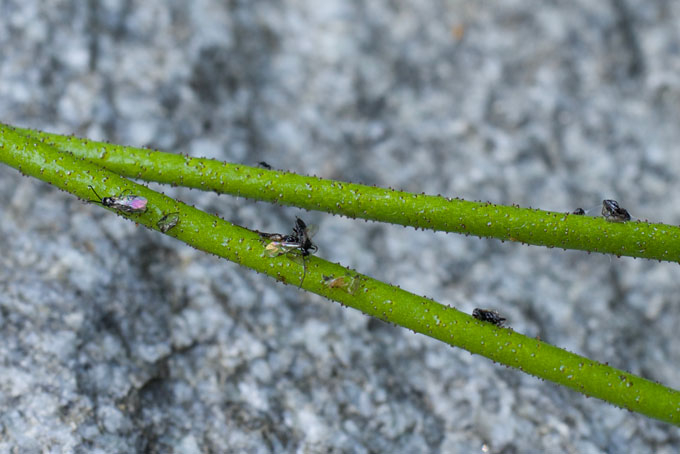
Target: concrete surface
[{"x": 117, "y": 339}]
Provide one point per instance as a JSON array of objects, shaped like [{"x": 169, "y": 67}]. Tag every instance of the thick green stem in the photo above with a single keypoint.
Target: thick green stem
[
  {"x": 214, "y": 235},
  {"x": 507, "y": 223}
]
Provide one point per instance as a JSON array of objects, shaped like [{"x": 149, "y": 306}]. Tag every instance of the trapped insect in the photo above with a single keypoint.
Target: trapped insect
[
  {"x": 127, "y": 203},
  {"x": 264, "y": 165},
  {"x": 490, "y": 316},
  {"x": 613, "y": 213},
  {"x": 347, "y": 283},
  {"x": 579, "y": 212},
  {"x": 299, "y": 242},
  {"x": 300, "y": 239},
  {"x": 167, "y": 222}
]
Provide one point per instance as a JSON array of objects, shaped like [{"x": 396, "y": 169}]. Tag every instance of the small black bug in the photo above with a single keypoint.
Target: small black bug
[
  {"x": 127, "y": 203},
  {"x": 579, "y": 212},
  {"x": 264, "y": 165},
  {"x": 490, "y": 316},
  {"x": 613, "y": 213},
  {"x": 303, "y": 234}
]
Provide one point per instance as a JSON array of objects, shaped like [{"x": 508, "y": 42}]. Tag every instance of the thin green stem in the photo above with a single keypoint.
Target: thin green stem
[
  {"x": 391, "y": 304},
  {"x": 507, "y": 223}
]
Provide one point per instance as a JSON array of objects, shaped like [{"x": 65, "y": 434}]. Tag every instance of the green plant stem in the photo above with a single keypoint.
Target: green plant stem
[
  {"x": 507, "y": 223},
  {"x": 388, "y": 303}
]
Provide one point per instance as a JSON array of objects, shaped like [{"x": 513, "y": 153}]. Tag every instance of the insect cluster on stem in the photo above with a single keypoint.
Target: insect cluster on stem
[{"x": 299, "y": 242}]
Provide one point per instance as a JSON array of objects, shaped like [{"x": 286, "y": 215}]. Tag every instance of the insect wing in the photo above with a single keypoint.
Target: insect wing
[
  {"x": 311, "y": 230},
  {"x": 127, "y": 203},
  {"x": 276, "y": 248},
  {"x": 273, "y": 249},
  {"x": 137, "y": 204},
  {"x": 295, "y": 256}
]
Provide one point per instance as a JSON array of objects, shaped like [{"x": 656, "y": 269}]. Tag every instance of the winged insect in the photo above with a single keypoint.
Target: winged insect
[
  {"x": 124, "y": 202},
  {"x": 297, "y": 245}
]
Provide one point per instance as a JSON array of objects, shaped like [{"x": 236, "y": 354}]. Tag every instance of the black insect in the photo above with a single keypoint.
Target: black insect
[
  {"x": 612, "y": 212},
  {"x": 490, "y": 316},
  {"x": 264, "y": 165},
  {"x": 579, "y": 212},
  {"x": 304, "y": 234},
  {"x": 299, "y": 242},
  {"x": 127, "y": 203}
]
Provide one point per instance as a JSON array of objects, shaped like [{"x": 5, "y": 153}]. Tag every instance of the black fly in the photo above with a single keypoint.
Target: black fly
[
  {"x": 579, "y": 212},
  {"x": 304, "y": 234},
  {"x": 127, "y": 203},
  {"x": 613, "y": 213},
  {"x": 300, "y": 241},
  {"x": 264, "y": 165},
  {"x": 490, "y": 316}
]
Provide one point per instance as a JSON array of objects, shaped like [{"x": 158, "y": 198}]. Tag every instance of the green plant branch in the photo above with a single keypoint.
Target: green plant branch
[
  {"x": 507, "y": 223},
  {"x": 388, "y": 303}
]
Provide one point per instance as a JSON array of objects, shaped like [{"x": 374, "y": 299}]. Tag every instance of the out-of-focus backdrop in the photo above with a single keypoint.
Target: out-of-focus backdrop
[{"x": 118, "y": 339}]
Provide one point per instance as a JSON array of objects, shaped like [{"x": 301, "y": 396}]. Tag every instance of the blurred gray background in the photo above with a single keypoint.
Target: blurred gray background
[{"x": 118, "y": 339}]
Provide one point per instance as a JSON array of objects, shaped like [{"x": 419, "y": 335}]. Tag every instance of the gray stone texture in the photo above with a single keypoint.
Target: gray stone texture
[{"x": 118, "y": 339}]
